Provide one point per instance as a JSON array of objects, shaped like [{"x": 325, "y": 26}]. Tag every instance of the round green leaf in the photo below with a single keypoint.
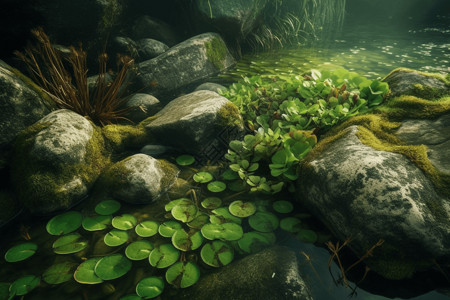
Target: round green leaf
[
  {"x": 64, "y": 223},
  {"x": 96, "y": 223},
  {"x": 225, "y": 231},
  {"x": 20, "y": 252},
  {"x": 222, "y": 215},
  {"x": 185, "y": 160},
  {"x": 283, "y": 206},
  {"x": 253, "y": 242},
  {"x": 115, "y": 238},
  {"x": 217, "y": 254},
  {"x": 242, "y": 209},
  {"x": 187, "y": 241},
  {"x": 307, "y": 236},
  {"x": 23, "y": 285},
  {"x": 163, "y": 256},
  {"x": 290, "y": 224},
  {"x": 69, "y": 243},
  {"x": 168, "y": 228},
  {"x": 200, "y": 220},
  {"x": 150, "y": 287},
  {"x": 229, "y": 175},
  {"x": 107, "y": 207},
  {"x": 131, "y": 297},
  {"x": 169, "y": 206},
  {"x": 112, "y": 267},
  {"x": 59, "y": 273},
  {"x": 211, "y": 202},
  {"x": 263, "y": 221},
  {"x": 147, "y": 228},
  {"x": 185, "y": 212},
  {"x": 124, "y": 222},
  {"x": 85, "y": 273},
  {"x": 183, "y": 274},
  {"x": 216, "y": 186},
  {"x": 202, "y": 177},
  {"x": 139, "y": 250}
]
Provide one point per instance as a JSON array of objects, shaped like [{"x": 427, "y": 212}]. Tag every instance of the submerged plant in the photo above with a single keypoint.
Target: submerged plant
[{"x": 70, "y": 90}]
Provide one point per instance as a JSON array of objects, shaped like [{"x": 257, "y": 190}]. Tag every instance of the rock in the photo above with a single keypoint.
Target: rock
[
  {"x": 183, "y": 65},
  {"x": 270, "y": 275},
  {"x": 123, "y": 46},
  {"x": 141, "y": 106},
  {"x": 201, "y": 123},
  {"x": 404, "y": 81},
  {"x": 157, "y": 150},
  {"x": 56, "y": 162},
  {"x": 21, "y": 105},
  {"x": 210, "y": 86},
  {"x": 366, "y": 194},
  {"x": 139, "y": 179},
  {"x": 234, "y": 18},
  {"x": 150, "y": 48},
  {"x": 148, "y": 27}
]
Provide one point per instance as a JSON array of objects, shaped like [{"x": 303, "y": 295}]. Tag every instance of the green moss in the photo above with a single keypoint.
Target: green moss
[
  {"x": 120, "y": 137},
  {"x": 170, "y": 173},
  {"x": 110, "y": 16},
  {"x": 229, "y": 115},
  {"x": 427, "y": 92},
  {"x": 216, "y": 52},
  {"x": 407, "y": 70}
]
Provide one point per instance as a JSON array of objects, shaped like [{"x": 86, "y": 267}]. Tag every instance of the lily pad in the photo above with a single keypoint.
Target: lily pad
[
  {"x": 217, "y": 254},
  {"x": 59, "y": 273},
  {"x": 20, "y": 252},
  {"x": 225, "y": 231},
  {"x": 23, "y": 285},
  {"x": 69, "y": 243},
  {"x": 107, "y": 207},
  {"x": 96, "y": 223},
  {"x": 242, "y": 209},
  {"x": 264, "y": 221},
  {"x": 230, "y": 175},
  {"x": 116, "y": 238},
  {"x": 185, "y": 160},
  {"x": 200, "y": 220},
  {"x": 124, "y": 222},
  {"x": 222, "y": 215},
  {"x": 290, "y": 224},
  {"x": 85, "y": 273},
  {"x": 217, "y": 186},
  {"x": 131, "y": 297},
  {"x": 183, "y": 274},
  {"x": 283, "y": 206},
  {"x": 187, "y": 241},
  {"x": 139, "y": 250},
  {"x": 202, "y": 177},
  {"x": 185, "y": 212},
  {"x": 112, "y": 267},
  {"x": 163, "y": 256},
  {"x": 253, "y": 242},
  {"x": 150, "y": 287},
  {"x": 211, "y": 202},
  {"x": 147, "y": 228},
  {"x": 307, "y": 236},
  {"x": 64, "y": 223},
  {"x": 169, "y": 206},
  {"x": 168, "y": 228}
]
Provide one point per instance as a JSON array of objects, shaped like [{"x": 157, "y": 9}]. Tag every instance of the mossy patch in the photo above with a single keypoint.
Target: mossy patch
[
  {"x": 216, "y": 52},
  {"x": 120, "y": 137},
  {"x": 444, "y": 79},
  {"x": 228, "y": 115}
]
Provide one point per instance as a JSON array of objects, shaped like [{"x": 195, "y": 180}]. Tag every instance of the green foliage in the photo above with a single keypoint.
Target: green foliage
[
  {"x": 20, "y": 252},
  {"x": 64, "y": 223},
  {"x": 23, "y": 285}
]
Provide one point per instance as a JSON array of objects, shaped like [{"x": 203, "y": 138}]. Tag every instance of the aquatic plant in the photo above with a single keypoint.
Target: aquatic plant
[{"x": 70, "y": 89}]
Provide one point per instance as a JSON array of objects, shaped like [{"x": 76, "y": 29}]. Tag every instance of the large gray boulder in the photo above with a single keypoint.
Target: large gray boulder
[
  {"x": 21, "y": 106},
  {"x": 148, "y": 27},
  {"x": 200, "y": 123},
  {"x": 183, "y": 65},
  {"x": 56, "y": 161}
]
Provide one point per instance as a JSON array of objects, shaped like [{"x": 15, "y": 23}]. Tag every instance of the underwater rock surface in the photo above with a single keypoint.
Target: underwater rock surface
[
  {"x": 149, "y": 27},
  {"x": 141, "y": 106}
]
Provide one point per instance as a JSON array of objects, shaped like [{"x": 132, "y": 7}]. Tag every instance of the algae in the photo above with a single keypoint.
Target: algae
[
  {"x": 120, "y": 137},
  {"x": 216, "y": 52},
  {"x": 228, "y": 115}
]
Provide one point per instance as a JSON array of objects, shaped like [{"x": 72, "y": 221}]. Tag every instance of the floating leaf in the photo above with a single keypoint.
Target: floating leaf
[
  {"x": 107, "y": 207},
  {"x": 69, "y": 243},
  {"x": 112, "y": 267},
  {"x": 23, "y": 285},
  {"x": 222, "y": 215},
  {"x": 200, "y": 220},
  {"x": 187, "y": 241},
  {"x": 150, "y": 287},
  {"x": 237, "y": 185},
  {"x": 64, "y": 223},
  {"x": 59, "y": 273},
  {"x": 124, "y": 222},
  {"x": 253, "y": 242},
  {"x": 211, "y": 202},
  {"x": 185, "y": 160},
  {"x": 263, "y": 221},
  {"x": 20, "y": 252},
  {"x": 307, "y": 236},
  {"x": 169, "y": 206},
  {"x": 225, "y": 231},
  {"x": 290, "y": 224},
  {"x": 242, "y": 209},
  {"x": 163, "y": 256},
  {"x": 115, "y": 238},
  {"x": 283, "y": 206},
  {"x": 217, "y": 254},
  {"x": 85, "y": 273},
  {"x": 183, "y": 274},
  {"x": 131, "y": 297},
  {"x": 229, "y": 175},
  {"x": 216, "y": 186},
  {"x": 202, "y": 177},
  {"x": 96, "y": 223},
  {"x": 168, "y": 228},
  {"x": 185, "y": 212},
  {"x": 139, "y": 250},
  {"x": 147, "y": 228}
]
